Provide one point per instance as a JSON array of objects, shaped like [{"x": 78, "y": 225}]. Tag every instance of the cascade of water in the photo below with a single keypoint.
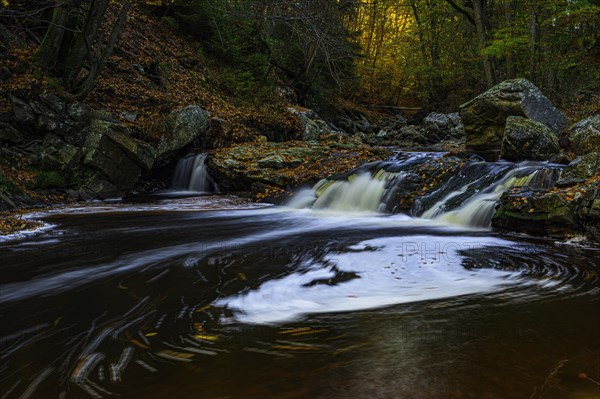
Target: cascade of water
[
  {"x": 468, "y": 198},
  {"x": 191, "y": 174},
  {"x": 478, "y": 209},
  {"x": 361, "y": 192}
]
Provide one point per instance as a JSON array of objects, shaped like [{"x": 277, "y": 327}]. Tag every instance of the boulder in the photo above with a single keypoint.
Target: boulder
[
  {"x": 439, "y": 126},
  {"x": 581, "y": 169},
  {"x": 313, "y": 127},
  {"x": 139, "y": 152},
  {"x": 57, "y": 154},
  {"x": 114, "y": 157},
  {"x": 179, "y": 129},
  {"x": 526, "y": 139},
  {"x": 485, "y": 116},
  {"x": 436, "y": 126},
  {"x": 456, "y": 128},
  {"x": 413, "y": 135},
  {"x": 9, "y": 134},
  {"x": 535, "y": 212},
  {"x": 585, "y": 135},
  {"x": 558, "y": 213},
  {"x": 219, "y": 135}
]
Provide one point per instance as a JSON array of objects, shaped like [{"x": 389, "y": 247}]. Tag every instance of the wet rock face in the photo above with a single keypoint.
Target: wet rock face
[
  {"x": 585, "y": 135},
  {"x": 485, "y": 116},
  {"x": 526, "y": 139}
]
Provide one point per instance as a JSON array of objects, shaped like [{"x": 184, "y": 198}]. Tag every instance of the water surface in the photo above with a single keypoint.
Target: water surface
[{"x": 212, "y": 298}]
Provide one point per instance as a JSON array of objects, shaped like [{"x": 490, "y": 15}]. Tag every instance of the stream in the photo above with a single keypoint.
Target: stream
[{"x": 214, "y": 297}]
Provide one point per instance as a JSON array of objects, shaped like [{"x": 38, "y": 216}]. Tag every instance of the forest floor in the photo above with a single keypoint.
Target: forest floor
[{"x": 153, "y": 71}]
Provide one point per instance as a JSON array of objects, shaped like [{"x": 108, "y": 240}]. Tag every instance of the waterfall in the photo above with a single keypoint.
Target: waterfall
[
  {"x": 478, "y": 210},
  {"x": 191, "y": 174},
  {"x": 468, "y": 198}
]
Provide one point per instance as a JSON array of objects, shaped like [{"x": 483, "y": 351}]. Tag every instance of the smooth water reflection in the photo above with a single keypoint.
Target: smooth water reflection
[{"x": 198, "y": 298}]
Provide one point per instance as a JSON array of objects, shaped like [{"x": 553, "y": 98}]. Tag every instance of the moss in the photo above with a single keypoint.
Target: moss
[
  {"x": 6, "y": 184},
  {"x": 49, "y": 179}
]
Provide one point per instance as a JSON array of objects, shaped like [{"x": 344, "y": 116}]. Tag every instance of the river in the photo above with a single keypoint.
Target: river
[{"x": 213, "y": 297}]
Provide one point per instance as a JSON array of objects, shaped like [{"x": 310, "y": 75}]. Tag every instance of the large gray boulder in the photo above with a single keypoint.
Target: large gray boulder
[
  {"x": 526, "y": 139},
  {"x": 585, "y": 135},
  {"x": 485, "y": 116},
  {"x": 114, "y": 158},
  {"x": 179, "y": 129}
]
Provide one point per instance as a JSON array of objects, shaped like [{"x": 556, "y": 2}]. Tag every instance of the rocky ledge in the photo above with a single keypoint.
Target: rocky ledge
[
  {"x": 569, "y": 209},
  {"x": 267, "y": 169}
]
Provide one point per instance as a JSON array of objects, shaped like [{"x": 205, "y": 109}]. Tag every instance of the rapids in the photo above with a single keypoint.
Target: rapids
[{"x": 211, "y": 296}]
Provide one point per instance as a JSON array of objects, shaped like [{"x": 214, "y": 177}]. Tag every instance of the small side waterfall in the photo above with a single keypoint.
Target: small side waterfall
[
  {"x": 468, "y": 198},
  {"x": 192, "y": 175}
]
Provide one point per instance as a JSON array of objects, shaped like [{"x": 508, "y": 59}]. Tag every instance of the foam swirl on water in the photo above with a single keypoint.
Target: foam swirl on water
[{"x": 383, "y": 271}]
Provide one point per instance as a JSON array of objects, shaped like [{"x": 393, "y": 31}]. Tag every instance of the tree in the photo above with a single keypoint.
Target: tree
[
  {"x": 307, "y": 41},
  {"x": 73, "y": 48}
]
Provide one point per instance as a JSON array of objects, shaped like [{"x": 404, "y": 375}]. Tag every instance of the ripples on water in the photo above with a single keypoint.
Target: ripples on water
[{"x": 198, "y": 298}]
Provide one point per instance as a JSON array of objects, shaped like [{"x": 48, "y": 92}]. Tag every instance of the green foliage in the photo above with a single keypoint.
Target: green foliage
[
  {"x": 505, "y": 42},
  {"x": 302, "y": 41},
  {"x": 430, "y": 52},
  {"x": 6, "y": 184},
  {"x": 46, "y": 179}
]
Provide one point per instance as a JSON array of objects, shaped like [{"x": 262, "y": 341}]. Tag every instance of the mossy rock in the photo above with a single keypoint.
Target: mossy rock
[
  {"x": 485, "y": 116},
  {"x": 526, "y": 139},
  {"x": 585, "y": 135}
]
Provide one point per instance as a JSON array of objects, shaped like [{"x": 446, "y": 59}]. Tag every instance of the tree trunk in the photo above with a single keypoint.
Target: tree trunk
[
  {"x": 81, "y": 48},
  {"x": 532, "y": 45},
  {"x": 479, "y": 17},
  {"x": 47, "y": 54},
  {"x": 422, "y": 45},
  {"x": 510, "y": 55},
  {"x": 89, "y": 81}
]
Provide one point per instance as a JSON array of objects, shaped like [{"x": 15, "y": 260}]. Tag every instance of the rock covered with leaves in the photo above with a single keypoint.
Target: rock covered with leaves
[
  {"x": 570, "y": 208},
  {"x": 267, "y": 169}
]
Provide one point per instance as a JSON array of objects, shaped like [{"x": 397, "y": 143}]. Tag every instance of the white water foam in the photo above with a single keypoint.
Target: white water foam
[{"x": 390, "y": 270}]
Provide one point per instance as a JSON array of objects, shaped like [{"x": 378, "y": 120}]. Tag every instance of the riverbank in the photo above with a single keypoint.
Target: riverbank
[{"x": 161, "y": 100}]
